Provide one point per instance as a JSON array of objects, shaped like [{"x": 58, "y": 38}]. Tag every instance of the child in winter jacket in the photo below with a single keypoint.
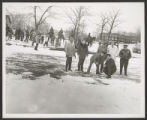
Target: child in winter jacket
[{"x": 70, "y": 52}]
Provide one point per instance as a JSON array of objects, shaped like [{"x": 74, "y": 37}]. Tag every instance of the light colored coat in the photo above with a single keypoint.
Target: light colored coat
[
  {"x": 113, "y": 51},
  {"x": 69, "y": 48}
]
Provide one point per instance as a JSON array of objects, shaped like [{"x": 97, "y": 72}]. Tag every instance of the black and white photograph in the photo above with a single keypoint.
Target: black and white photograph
[{"x": 73, "y": 59}]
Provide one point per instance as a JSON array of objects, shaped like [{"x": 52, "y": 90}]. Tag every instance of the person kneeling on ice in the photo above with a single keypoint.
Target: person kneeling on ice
[
  {"x": 82, "y": 52},
  {"x": 70, "y": 52},
  {"x": 110, "y": 67}
]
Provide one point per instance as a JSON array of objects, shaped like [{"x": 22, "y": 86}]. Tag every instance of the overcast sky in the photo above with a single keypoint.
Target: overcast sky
[{"x": 132, "y": 14}]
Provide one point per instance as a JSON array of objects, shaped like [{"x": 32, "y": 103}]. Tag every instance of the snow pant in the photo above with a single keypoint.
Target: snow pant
[
  {"x": 57, "y": 42},
  {"x": 22, "y": 37},
  {"x": 68, "y": 63},
  {"x": 36, "y": 47},
  {"x": 52, "y": 42},
  {"x": 123, "y": 63},
  {"x": 27, "y": 39},
  {"x": 97, "y": 68},
  {"x": 17, "y": 37},
  {"x": 80, "y": 63},
  {"x": 109, "y": 71},
  {"x": 42, "y": 40},
  {"x": 46, "y": 43},
  {"x": 89, "y": 67},
  {"x": 33, "y": 43}
]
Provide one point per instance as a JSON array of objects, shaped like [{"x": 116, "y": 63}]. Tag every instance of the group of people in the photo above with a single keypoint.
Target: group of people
[
  {"x": 37, "y": 37},
  {"x": 105, "y": 57}
]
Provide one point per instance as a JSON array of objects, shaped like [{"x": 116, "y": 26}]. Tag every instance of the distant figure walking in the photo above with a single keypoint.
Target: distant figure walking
[
  {"x": 70, "y": 52},
  {"x": 109, "y": 67},
  {"x": 27, "y": 36},
  {"x": 125, "y": 55},
  {"x": 33, "y": 37},
  {"x": 38, "y": 37}
]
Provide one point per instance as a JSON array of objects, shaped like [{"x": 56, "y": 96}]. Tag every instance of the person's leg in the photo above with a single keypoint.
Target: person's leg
[
  {"x": 125, "y": 67},
  {"x": 121, "y": 65},
  {"x": 82, "y": 63},
  {"x": 67, "y": 63},
  {"x": 105, "y": 70},
  {"x": 27, "y": 38},
  {"x": 70, "y": 61},
  {"x": 45, "y": 44},
  {"x": 109, "y": 70},
  {"x": 79, "y": 64},
  {"x": 101, "y": 70},
  {"x": 33, "y": 43},
  {"x": 90, "y": 65},
  {"x": 97, "y": 69},
  {"x": 36, "y": 47}
]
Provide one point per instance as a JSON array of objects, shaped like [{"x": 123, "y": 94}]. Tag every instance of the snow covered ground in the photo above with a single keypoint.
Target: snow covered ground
[{"x": 72, "y": 92}]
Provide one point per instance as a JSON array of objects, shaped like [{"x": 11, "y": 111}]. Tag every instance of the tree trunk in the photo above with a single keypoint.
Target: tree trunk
[{"x": 35, "y": 17}]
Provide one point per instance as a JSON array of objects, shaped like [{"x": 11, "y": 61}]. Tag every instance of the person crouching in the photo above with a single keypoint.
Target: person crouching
[
  {"x": 110, "y": 67},
  {"x": 70, "y": 52}
]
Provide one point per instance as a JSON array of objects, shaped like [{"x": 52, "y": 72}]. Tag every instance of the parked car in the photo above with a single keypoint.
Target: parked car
[{"x": 137, "y": 48}]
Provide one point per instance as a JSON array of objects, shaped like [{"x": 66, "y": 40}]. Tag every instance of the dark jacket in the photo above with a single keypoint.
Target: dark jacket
[
  {"x": 125, "y": 54},
  {"x": 110, "y": 67},
  {"x": 82, "y": 50},
  {"x": 102, "y": 49}
]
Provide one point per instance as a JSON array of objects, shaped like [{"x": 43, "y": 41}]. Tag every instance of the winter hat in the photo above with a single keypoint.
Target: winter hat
[
  {"x": 108, "y": 54},
  {"x": 125, "y": 45}
]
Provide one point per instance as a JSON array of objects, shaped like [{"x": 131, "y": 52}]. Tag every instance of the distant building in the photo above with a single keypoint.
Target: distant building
[{"x": 119, "y": 38}]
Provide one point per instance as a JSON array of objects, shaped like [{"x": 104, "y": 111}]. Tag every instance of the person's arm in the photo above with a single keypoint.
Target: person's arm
[
  {"x": 74, "y": 50},
  {"x": 108, "y": 49},
  {"x": 120, "y": 53},
  {"x": 130, "y": 55},
  {"x": 86, "y": 50}
]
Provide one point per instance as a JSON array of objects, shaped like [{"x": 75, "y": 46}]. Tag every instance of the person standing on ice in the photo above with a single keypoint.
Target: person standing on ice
[
  {"x": 112, "y": 50},
  {"x": 109, "y": 67},
  {"x": 33, "y": 37},
  {"x": 125, "y": 55},
  {"x": 82, "y": 52},
  {"x": 38, "y": 36},
  {"x": 70, "y": 52}
]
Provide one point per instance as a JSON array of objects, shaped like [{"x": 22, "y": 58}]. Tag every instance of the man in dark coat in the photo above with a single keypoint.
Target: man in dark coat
[
  {"x": 125, "y": 55},
  {"x": 110, "y": 67},
  {"x": 82, "y": 52}
]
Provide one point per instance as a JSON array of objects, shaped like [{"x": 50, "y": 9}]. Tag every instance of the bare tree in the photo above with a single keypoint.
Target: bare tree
[
  {"x": 113, "y": 22},
  {"x": 43, "y": 17},
  {"x": 103, "y": 23},
  {"x": 77, "y": 20}
]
